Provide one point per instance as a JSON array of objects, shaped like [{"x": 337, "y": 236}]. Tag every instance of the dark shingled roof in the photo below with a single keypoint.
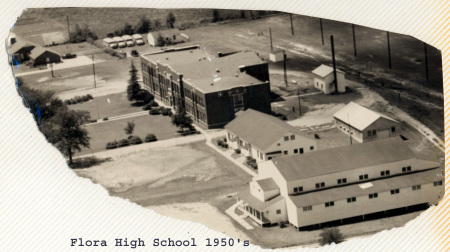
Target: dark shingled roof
[
  {"x": 267, "y": 184},
  {"x": 382, "y": 185},
  {"x": 252, "y": 201},
  {"x": 259, "y": 129},
  {"x": 345, "y": 158},
  {"x": 39, "y": 50}
]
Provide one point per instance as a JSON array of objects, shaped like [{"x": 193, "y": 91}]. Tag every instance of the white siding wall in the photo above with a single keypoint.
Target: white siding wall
[
  {"x": 290, "y": 145},
  {"x": 363, "y": 205},
  {"x": 260, "y": 194},
  {"x": 271, "y": 212}
]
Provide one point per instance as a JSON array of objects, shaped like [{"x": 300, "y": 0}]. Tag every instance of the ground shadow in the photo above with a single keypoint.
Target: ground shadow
[{"x": 81, "y": 163}]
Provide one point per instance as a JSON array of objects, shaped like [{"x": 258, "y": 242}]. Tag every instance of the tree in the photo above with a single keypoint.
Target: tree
[
  {"x": 216, "y": 16},
  {"x": 170, "y": 20},
  {"x": 331, "y": 235},
  {"x": 70, "y": 135},
  {"x": 144, "y": 25},
  {"x": 133, "y": 87},
  {"x": 144, "y": 96},
  {"x": 181, "y": 119},
  {"x": 160, "y": 41},
  {"x": 43, "y": 104},
  {"x": 157, "y": 24},
  {"x": 129, "y": 129},
  {"x": 127, "y": 29}
]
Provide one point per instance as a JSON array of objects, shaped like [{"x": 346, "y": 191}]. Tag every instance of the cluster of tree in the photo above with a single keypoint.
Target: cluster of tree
[
  {"x": 144, "y": 25},
  {"x": 61, "y": 126},
  {"x": 253, "y": 15},
  {"x": 134, "y": 91},
  {"x": 331, "y": 235},
  {"x": 81, "y": 34},
  {"x": 160, "y": 41}
]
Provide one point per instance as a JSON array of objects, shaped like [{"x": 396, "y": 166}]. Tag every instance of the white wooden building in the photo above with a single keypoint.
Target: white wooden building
[{"x": 324, "y": 79}]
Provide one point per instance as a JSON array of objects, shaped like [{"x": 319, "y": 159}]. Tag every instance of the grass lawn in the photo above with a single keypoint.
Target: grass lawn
[
  {"x": 102, "y": 133},
  {"x": 118, "y": 104}
]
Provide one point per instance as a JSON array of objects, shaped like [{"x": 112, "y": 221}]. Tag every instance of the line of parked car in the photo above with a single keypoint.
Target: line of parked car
[{"x": 124, "y": 41}]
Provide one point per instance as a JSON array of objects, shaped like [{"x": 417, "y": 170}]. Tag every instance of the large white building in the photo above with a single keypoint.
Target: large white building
[
  {"x": 324, "y": 79},
  {"x": 355, "y": 181},
  {"x": 264, "y": 137},
  {"x": 364, "y": 124}
]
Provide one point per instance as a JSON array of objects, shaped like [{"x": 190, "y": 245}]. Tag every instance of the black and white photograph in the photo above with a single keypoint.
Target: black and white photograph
[{"x": 277, "y": 129}]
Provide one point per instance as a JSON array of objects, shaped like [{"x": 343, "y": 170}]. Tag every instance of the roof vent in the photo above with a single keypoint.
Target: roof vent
[
  {"x": 251, "y": 83},
  {"x": 167, "y": 58},
  {"x": 212, "y": 83},
  {"x": 217, "y": 70},
  {"x": 236, "y": 75}
]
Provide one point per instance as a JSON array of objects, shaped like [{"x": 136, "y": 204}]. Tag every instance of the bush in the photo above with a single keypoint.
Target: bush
[
  {"x": 331, "y": 235},
  {"x": 225, "y": 145},
  {"x": 154, "y": 111},
  {"x": 93, "y": 121},
  {"x": 90, "y": 96},
  {"x": 150, "y": 138},
  {"x": 123, "y": 142},
  {"x": 237, "y": 151},
  {"x": 111, "y": 145},
  {"x": 166, "y": 112},
  {"x": 147, "y": 107},
  {"x": 135, "y": 140},
  {"x": 153, "y": 103},
  {"x": 67, "y": 102},
  {"x": 219, "y": 142},
  {"x": 105, "y": 118}
]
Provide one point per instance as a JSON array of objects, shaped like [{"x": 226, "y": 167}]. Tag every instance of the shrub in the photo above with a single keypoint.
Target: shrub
[
  {"x": 105, "y": 118},
  {"x": 147, "y": 107},
  {"x": 331, "y": 235},
  {"x": 67, "y": 102},
  {"x": 72, "y": 101},
  {"x": 93, "y": 121},
  {"x": 166, "y": 112},
  {"x": 123, "y": 142},
  {"x": 77, "y": 99},
  {"x": 225, "y": 145},
  {"x": 150, "y": 138},
  {"x": 237, "y": 151},
  {"x": 154, "y": 111},
  {"x": 219, "y": 142},
  {"x": 135, "y": 140},
  {"x": 225, "y": 139},
  {"x": 90, "y": 96},
  {"x": 153, "y": 103},
  {"x": 111, "y": 145}
]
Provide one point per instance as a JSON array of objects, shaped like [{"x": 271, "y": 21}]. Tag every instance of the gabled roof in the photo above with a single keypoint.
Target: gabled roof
[
  {"x": 324, "y": 70},
  {"x": 358, "y": 116},
  {"x": 39, "y": 50},
  {"x": 267, "y": 184},
  {"x": 351, "y": 157},
  {"x": 127, "y": 37},
  {"x": 377, "y": 186},
  {"x": 261, "y": 130},
  {"x": 137, "y": 36},
  {"x": 18, "y": 46},
  {"x": 255, "y": 203},
  {"x": 166, "y": 33}
]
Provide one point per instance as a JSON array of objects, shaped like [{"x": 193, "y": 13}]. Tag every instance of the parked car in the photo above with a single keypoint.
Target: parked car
[
  {"x": 69, "y": 56},
  {"x": 134, "y": 53}
]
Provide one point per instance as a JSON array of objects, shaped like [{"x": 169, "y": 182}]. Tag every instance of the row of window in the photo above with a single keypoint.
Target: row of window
[
  {"x": 286, "y": 138},
  {"x": 371, "y": 196},
  {"x": 296, "y": 151}
]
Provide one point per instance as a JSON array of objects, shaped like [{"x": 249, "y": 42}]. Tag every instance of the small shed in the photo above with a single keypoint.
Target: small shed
[
  {"x": 20, "y": 51},
  {"x": 276, "y": 56},
  {"x": 42, "y": 56},
  {"x": 324, "y": 79},
  {"x": 171, "y": 36}
]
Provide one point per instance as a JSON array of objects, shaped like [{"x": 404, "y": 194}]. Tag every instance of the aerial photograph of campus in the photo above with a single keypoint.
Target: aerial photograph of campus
[{"x": 277, "y": 128}]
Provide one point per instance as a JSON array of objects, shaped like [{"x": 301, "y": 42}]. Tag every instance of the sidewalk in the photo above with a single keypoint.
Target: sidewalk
[{"x": 239, "y": 219}]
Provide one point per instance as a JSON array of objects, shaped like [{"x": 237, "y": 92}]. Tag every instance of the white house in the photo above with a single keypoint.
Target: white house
[
  {"x": 324, "y": 79},
  {"x": 171, "y": 36},
  {"x": 364, "y": 124},
  {"x": 341, "y": 184},
  {"x": 264, "y": 137}
]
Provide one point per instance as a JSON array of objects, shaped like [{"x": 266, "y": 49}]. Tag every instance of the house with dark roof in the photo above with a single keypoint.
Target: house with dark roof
[
  {"x": 341, "y": 184},
  {"x": 324, "y": 79},
  {"x": 42, "y": 56},
  {"x": 20, "y": 51},
  {"x": 364, "y": 124},
  {"x": 211, "y": 88},
  {"x": 264, "y": 137}
]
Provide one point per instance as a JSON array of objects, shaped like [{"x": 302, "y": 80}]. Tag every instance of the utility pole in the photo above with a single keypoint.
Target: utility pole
[
  {"x": 299, "y": 103},
  {"x": 284, "y": 64},
  {"x": 93, "y": 70},
  {"x": 270, "y": 34},
  {"x": 292, "y": 26},
  {"x": 389, "y": 50},
  {"x": 334, "y": 65},
  {"x": 68, "y": 31},
  {"x": 321, "y": 31},
  {"x": 426, "y": 60},
  {"x": 349, "y": 129},
  {"x": 354, "y": 39}
]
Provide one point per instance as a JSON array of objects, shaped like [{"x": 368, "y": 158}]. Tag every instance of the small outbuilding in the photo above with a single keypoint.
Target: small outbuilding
[
  {"x": 171, "y": 36},
  {"x": 20, "y": 51},
  {"x": 42, "y": 56},
  {"x": 324, "y": 79},
  {"x": 276, "y": 56},
  {"x": 364, "y": 124}
]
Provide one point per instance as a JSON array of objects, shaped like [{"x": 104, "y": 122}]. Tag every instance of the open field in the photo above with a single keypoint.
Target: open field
[
  {"x": 179, "y": 174},
  {"x": 107, "y": 106},
  {"x": 102, "y": 133}
]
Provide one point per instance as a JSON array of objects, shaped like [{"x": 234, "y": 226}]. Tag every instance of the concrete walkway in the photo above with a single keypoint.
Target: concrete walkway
[
  {"x": 239, "y": 219},
  {"x": 119, "y": 117}
]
